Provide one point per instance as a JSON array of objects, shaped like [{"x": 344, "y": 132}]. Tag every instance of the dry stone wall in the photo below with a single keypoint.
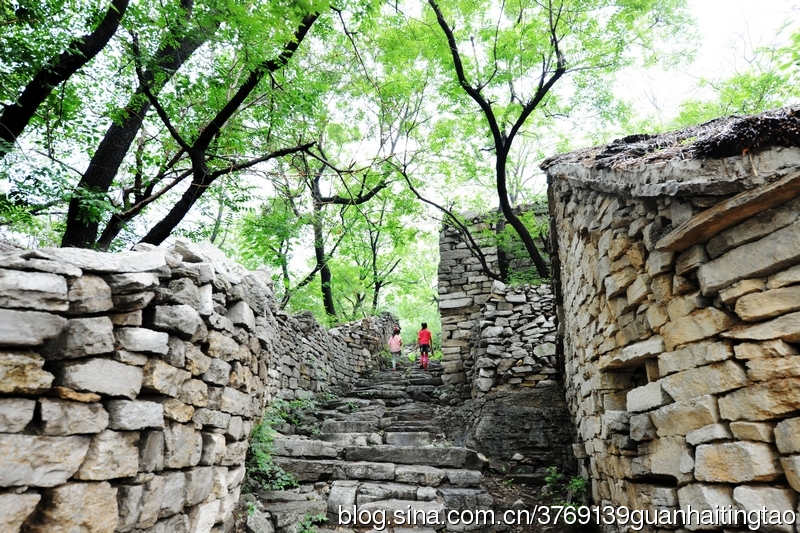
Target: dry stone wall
[
  {"x": 129, "y": 384},
  {"x": 513, "y": 345},
  {"x": 681, "y": 329},
  {"x": 493, "y": 337}
]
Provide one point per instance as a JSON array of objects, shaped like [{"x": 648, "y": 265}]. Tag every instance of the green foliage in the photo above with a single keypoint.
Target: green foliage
[
  {"x": 309, "y": 523},
  {"x": 566, "y": 491},
  {"x": 262, "y": 472}
]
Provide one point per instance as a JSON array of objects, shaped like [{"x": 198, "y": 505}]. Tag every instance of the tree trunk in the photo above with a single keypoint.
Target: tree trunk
[
  {"x": 111, "y": 152},
  {"x": 516, "y": 223},
  {"x": 325, "y": 276},
  {"x": 79, "y": 52}
]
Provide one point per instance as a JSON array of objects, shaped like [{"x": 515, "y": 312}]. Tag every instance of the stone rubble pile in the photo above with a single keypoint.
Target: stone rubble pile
[
  {"x": 130, "y": 383},
  {"x": 681, "y": 332}
]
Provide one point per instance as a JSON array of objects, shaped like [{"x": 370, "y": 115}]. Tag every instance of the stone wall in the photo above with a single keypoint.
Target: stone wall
[
  {"x": 487, "y": 330},
  {"x": 681, "y": 289},
  {"x": 513, "y": 344},
  {"x": 499, "y": 351},
  {"x": 129, "y": 384}
]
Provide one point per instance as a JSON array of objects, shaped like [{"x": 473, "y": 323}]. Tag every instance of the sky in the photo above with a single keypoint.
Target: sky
[{"x": 727, "y": 29}]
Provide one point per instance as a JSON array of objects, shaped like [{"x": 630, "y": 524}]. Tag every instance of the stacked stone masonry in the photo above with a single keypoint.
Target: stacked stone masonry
[
  {"x": 494, "y": 338},
  {"x": 129, "y": 384},
  {"x": 681, "y": 324}
]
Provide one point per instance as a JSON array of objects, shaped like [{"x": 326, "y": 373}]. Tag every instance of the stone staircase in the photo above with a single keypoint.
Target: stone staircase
[{"x": 377, "y": 450}]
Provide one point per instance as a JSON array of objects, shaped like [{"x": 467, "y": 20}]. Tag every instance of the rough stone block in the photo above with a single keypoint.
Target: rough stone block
[
  {"x": 213, "y": 449},
  {"x": 15, "y": 413},
  {"x": 160, "y": 377},
  {"x": 775, "y": 500},
  {"x": 142, "y": 340},
  {"x": 769, "y": 304},
  {"x": 101, "y": 376},
  {"x": 758, "y": 350},
  {"x": 151, "y": 451},
  {"x": 88, "y": 295},
  {"x": 787, "y": 436},
  {"x": 31, "y": 460},
  {"x": 62, "y": 417},
  {"x": 791, "y": 467},
  {"x": 199, "y": 482},
  {"x": 15, "y": 508},
  {"x": 132, "y": 415},
  {"x": 111, "y": 454},
  {"x": 642, "y": 427},
  {"x": 132, "y": 282},
  {"x": 685, "y": 416},
  {"x": 647, "y": 397},
  {"x": 21, "y": 373},
  {"x": 756, "y": 431},
  {"x": 181, "y": 320},
  {"x": 183, "y": 446},
  {"x": 173, "y": 493},
  {"x": 616, "y": 283},
  {"x": 746, "y": 286},
  {"x": 773, "y": 368},
  {"x": 736, "y": 462},
  {"x": 761, "y": 258},
  {"x": 764, "y": 401},
  {"x": 90, "y": 507},
  {"x": 129, "y": 503},
  {"x": 28, "y": 328},
  {"x": 633, "y": 354},
  {"x": 82, "y": 337},
  {"x": 697, "y": 326},
  {"x": 708, "y": 433},
  {"x": 704, "y": 497},
  {"x": 33, "y": 290},
  {"x": 710, "y": 379},
  {"x": 692, "y": 356}
]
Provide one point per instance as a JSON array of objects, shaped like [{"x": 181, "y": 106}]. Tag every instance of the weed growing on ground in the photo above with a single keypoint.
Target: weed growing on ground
[
  {"x": 569, "y": 492},
  {"x": 309, "y": 523}
]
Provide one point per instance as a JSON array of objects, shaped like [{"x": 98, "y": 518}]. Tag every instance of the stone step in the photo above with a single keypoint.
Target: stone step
[
  {"x": 351, "y": 439},
  {"x": 413, "y": 427},
  {"x": 287, "y": 513},
  {"x": 349, "y": 426},
  {"x": 299, "y": 447},
  {"x": 384, "y": 394},
  {"x": 398, "y": 514},
  {"x": 400, "y": 438},
  {"x": 313, "y": 470},
  {"x": 455, "y": 457}
]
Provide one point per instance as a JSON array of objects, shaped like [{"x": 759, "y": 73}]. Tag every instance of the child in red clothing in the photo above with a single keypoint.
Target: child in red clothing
[{"x": 424, "y": 342}]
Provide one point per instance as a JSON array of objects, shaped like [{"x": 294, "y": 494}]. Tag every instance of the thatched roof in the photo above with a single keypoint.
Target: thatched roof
[
  {"x": 723, "y": 137},
  {"x": 723, "y": 156}
]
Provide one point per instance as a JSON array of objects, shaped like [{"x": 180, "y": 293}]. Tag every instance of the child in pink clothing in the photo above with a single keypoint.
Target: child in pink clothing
[
  {"x": 395, "y": 347},
  {"x": 424, "y": 342}
]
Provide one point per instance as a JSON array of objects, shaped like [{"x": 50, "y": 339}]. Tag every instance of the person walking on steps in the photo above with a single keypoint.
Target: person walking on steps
[
  {"x": 424, "y": 343},
  {"x": 395, "y": 346}
]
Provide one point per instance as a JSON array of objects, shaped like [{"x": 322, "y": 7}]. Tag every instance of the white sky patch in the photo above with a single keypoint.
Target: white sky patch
[{"x": 728, "y": 30}]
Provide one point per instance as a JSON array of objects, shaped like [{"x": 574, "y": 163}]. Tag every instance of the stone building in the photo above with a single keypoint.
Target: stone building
[{"x": 680, "y": 316}]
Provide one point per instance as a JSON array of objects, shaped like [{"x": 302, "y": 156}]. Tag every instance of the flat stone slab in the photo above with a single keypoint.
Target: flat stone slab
[
  {"x": 308, "y": 469},
  {"x": 303, "y": 448},
  {"x": 352, "y": 439},
  {"x": 372, "y": 492},
  {"x": 347, "y": 426},
  {"x": 728, "y": 213},
  {"x": 287, "y": 513},
  {"x": 399, "y": 438},
  {"x": 411, "y": 455}
]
